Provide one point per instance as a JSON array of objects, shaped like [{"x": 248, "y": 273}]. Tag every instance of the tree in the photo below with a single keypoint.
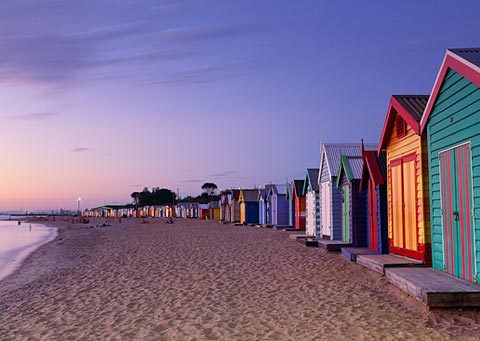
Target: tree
[
  {"x": 209, "y": 188},
  {"x": 158, "y": 196}
]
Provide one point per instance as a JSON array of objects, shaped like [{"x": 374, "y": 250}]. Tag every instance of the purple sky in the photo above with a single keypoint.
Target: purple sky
[{"x": 98, "y": 100}]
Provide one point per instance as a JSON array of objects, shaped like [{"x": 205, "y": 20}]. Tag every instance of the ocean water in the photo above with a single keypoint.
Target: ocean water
[{"x": 18, "y": 241}]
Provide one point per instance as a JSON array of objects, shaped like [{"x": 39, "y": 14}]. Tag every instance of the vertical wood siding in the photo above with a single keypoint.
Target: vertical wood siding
[
  {"x": 454, "y": 120},
  {"x": 282, "y": 210},
  {"x": 236, "y": 211},
  {"x": 310, "y": 212},
  {"x": 398, "y": 147},
  {"x": 357, "y": 202},
  {"x": 324, "y": 177},
  {"x": 300, "y": 212},
  {"x": 335, "y": 210}
]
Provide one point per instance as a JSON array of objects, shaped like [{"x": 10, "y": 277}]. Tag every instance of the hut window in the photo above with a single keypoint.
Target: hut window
[{"x": 401, "y": 126}]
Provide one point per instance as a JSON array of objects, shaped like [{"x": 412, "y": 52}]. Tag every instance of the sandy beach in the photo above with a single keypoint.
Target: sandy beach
[{"x": 203, "y": 280}]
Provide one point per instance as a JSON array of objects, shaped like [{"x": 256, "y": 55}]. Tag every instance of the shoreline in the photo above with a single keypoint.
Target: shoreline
[
  {"x": 197, "y": 279},
  {"x": 12, "y": 260}
]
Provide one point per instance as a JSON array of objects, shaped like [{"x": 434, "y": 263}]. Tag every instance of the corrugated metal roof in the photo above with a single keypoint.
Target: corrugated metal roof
[
  {"x": 471, "y": 55},
  {"x": 250, "y": 194},
  {"x": 261, "y": 194},
  {"x": 356, "y": 165},
  {"x": 333, "y": 152},
  {"x": 414, "y": 104},
  {"x": 280, "y": 189},
  {"x": 313, "y": 176}
]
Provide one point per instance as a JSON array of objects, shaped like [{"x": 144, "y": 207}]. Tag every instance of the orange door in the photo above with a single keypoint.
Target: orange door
[{"x": 404, "y": 203}]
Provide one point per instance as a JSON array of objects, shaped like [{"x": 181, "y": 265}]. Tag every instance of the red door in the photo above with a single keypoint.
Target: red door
[{"x": 372, "y": 216}]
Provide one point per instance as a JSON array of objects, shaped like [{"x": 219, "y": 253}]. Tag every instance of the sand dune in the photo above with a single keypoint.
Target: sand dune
[{"x": 201, "y": 280}]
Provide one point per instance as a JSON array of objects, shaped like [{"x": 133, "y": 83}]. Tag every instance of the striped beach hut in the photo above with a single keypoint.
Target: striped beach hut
[
  {"x": 225, "y": 205},
  {"x": 310, "y": 191},
  {"x": 451, "y": 122},
  {"x": 374, "y": 184},
  {"x": 291, "y": 203},
  {"x": 262, "y": 206},
  {"x": 300, "y": 204},
  {"x": 330, "y": 203},
  {"x": 354, "y": 201},
  {"x": 407, "y": 176},
  {"x": 214, "y": 210},
  {"x": 248, "y": 200},
  {"x": 235, "y": 206},
  {"x": 264, "y": 211},
  {"x": 278, "y": 205}
]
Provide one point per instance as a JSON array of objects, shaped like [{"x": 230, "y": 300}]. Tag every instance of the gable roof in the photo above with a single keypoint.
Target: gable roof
[
  {"x": 261, "y": 194},
  {"x": 466, "y": 62},
  {"x": 249, "y": 195},
  {"x": 410, "y": 108},
  {"x": 298, "y": 187},
  {"x": 332, "y": 152},
  {"x": 277, "y": 189},
  {"x": 236, "y": 194},
  {"x": 352, "y": 166},
  {"x": 289, "y": 187},
  {"x": 312, "y": 173},
  {"x": 374, "y": 167}
]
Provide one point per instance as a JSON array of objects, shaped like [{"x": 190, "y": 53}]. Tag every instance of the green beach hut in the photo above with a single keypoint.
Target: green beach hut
[{"x": 452, "y": 123}]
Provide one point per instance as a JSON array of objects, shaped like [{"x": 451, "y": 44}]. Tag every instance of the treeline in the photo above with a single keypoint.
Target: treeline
[{"x": 157, "y": 196}]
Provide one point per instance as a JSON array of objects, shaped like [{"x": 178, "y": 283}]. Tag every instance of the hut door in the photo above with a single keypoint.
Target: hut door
[
  {"x": 372, "y": 216},
  {"x": 404, "y": 202},
  {"x": 346, "y": 214},
  {"x": 326, "y": 208},
  {"x": 274, "y": 210},
  {"x": 456, "y": 194},
  {"x": 242, "y": 213}
]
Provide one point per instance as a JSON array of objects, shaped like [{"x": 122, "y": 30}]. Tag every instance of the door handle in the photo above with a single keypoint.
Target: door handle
[{"x": 456, "y": 215}]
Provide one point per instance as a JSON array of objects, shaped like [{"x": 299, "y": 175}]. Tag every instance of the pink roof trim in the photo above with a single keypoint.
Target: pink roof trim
[{"x": 450, "y": 61}]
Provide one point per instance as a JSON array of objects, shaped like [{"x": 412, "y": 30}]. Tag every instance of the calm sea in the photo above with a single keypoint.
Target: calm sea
[{"x": 18, "y": 241}]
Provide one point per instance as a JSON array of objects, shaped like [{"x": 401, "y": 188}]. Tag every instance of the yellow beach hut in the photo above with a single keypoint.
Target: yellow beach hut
[{"x": 407, "y": 174}]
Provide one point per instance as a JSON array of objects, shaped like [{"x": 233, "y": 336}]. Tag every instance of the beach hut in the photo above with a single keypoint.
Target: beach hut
[
  {"x": 203, "y": 211},
  {"x": 264, "y": 211},
  {"x": 451, "y": 122},
  {"x": 291, "y": 203},
  {"x": 300, "y": 204},
  {"x": 310, "y": 191},
  {"x": 407, "y": 178},
  {"x": 330, "y": 196},
  {"x": 262, "y": 207},
  {"x": 374, "y": 184},
  {"x": 214, "y": 210},
  {"x": 278, "y": 205},
  {"x": 235, "y": 206},
  {"x": 354, "y": 201},
  {"x": 225, "y": 209},
  {"x": 248, "y": 200}
]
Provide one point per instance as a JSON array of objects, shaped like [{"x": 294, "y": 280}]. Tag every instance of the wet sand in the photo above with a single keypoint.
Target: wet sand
[{"x": 201, "y": 280}]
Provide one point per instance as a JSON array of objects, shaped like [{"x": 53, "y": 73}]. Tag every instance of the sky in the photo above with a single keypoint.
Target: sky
[{"x": 99, "y": 99}]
